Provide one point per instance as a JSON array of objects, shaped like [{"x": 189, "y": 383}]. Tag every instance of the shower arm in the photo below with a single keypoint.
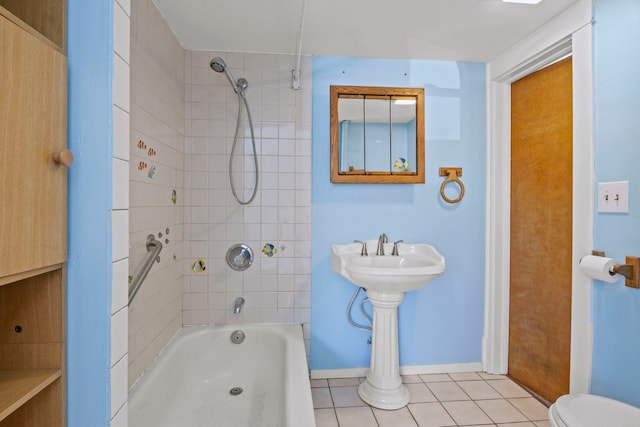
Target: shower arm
[{"x": 154, "y": 247}]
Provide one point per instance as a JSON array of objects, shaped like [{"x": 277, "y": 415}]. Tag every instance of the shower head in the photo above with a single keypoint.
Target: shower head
[{"x": 218, "y": 65}]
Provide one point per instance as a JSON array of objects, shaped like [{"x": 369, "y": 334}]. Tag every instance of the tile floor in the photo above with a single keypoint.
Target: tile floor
[{"x": 457, "y": 399}]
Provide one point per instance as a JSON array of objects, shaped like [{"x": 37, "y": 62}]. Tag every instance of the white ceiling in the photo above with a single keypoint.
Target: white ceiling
[{"x": 458, "y": 30}]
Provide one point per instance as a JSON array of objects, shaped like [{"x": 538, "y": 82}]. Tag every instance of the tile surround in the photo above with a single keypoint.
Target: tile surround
[
  {"x": 155, "y": 143},
  {"x": 186, "y": 114},
  {"x": 277, "y": 288},
  {"x": 337, "y": 403}
]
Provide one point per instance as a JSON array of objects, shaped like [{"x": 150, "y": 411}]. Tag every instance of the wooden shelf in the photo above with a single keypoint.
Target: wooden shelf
[
  {"x": 17, "y": 387},
  {"x": 46, "y": 19},
  {"x": 6, "y": 280}
]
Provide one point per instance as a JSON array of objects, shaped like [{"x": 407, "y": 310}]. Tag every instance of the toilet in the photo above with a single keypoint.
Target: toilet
[{"x": 587, "y": 410}]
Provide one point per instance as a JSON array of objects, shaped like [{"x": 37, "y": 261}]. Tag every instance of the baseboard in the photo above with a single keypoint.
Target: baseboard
[{"x": 318, "y": 374}]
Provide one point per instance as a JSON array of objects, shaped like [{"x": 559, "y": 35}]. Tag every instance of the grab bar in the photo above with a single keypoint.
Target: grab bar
[{"x": 153, "y": 248}]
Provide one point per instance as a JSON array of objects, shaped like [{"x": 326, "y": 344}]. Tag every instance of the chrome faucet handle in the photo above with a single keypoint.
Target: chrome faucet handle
[
  {"x": 395, "y": 247},
  {"x": 363, "y": 252},
  {"x": 381, "y": 241}
]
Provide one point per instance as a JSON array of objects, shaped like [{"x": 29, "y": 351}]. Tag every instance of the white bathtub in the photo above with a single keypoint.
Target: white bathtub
[{"x": 189, "y": 384}]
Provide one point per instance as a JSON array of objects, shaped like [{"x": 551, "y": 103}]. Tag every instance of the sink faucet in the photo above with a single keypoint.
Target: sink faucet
[
  {"x": 237, "y": 305},
  {"x": 381, "y": 241}
]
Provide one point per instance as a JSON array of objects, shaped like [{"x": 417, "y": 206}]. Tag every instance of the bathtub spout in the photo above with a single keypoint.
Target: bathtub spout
[{"x": 237, "y": 306}]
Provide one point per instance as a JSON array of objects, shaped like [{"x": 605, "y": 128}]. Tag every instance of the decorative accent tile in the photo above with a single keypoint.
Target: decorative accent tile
[
  {"x": 198, "y": 266},
  {"x": 269, "y": 250}
]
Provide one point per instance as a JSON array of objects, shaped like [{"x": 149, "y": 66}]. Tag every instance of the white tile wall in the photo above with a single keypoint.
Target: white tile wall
[
  {"x": 120, "y": 184},
  {"x": 119, "y": 234},
  {"x": 186, "y": 113},
  {"x": 155, "y": 152},
  {"x": 119, "y": 215},
  {"x": 118, "y": 386},
  {"x": 119, "y": 291},
  {"x": 120, "y": 134},
  {"x": 276, "y": 289}
]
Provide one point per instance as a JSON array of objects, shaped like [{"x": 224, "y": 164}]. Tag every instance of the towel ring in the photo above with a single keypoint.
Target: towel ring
[{"x": 452, "y": 175}]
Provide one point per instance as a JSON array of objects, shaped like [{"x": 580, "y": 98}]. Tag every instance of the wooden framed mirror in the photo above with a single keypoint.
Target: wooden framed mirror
[{"x": 377, "y": 135}]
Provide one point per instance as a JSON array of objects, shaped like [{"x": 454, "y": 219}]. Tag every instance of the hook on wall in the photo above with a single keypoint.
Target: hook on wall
[{"x": 452, "y": 175}]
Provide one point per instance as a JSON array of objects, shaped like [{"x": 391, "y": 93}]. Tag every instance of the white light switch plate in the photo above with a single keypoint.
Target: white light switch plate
[{"x": 613, "y": 197}]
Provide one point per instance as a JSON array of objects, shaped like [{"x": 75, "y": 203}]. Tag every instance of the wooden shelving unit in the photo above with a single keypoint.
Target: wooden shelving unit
[
  {"x": 33, "y": 217},
  {"x": 19, "y": 386}
]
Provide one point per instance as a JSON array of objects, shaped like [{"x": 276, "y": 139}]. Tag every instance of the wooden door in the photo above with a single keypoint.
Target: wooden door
[
  {"x": 33, "y": 118},
  {"x": 541, "y": 230}
]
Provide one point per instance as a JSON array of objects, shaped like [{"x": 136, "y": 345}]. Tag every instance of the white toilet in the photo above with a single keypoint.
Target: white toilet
[{"x": 587, "y": 410}]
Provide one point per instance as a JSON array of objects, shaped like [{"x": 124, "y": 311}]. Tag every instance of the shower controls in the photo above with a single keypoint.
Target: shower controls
[{"x": 239, "y": 257}]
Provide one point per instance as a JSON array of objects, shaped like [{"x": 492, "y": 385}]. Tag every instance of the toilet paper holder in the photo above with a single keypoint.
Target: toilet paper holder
[{"x": 630, "y": 270}]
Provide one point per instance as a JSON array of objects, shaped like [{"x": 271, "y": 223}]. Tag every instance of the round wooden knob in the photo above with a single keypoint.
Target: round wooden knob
[{"x": 63, "y": 158}]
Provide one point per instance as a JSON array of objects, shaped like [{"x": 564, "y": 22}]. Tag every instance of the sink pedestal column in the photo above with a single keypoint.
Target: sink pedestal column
[{"x": 383, "y": 387}]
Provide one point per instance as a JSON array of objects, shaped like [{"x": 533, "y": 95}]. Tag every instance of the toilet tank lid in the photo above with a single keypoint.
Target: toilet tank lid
[{"x": 588, "y": 410}]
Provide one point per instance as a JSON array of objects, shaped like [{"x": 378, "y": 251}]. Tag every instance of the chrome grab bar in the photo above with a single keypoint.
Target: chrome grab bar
[{"x": 153, "y": 248}]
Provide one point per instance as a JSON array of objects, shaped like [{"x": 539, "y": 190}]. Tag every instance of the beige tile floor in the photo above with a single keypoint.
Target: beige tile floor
[{"x": 463, "y": 399}]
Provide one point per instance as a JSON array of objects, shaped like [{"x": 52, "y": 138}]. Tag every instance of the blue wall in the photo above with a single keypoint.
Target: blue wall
[
  {"x": 616, "y": 308},
  {"x": 90, "y": 52},
  {"x": 443, "y": 322}
]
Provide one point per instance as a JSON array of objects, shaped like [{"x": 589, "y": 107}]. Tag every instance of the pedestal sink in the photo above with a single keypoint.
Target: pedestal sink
[{"x": 386, "y": 278}]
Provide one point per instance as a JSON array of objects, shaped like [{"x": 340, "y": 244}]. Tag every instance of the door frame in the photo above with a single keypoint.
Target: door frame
[{"x": 567, "y": 34}]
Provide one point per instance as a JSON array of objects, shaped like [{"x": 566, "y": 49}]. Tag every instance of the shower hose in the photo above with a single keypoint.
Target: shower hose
[{"x": 243, "y": 100}]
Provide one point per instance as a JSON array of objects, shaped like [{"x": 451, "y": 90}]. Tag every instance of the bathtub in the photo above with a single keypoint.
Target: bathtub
[{"x": 196, "y": 380}]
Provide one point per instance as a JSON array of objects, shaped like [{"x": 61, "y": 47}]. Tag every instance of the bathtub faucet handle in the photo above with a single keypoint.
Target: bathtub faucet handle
[{"x": 237, "y": 305}]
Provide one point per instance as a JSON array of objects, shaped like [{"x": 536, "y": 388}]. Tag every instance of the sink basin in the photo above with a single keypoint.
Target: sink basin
[
  {"x": 415, "y": 266},
  {"x": 386, "y": 278}
]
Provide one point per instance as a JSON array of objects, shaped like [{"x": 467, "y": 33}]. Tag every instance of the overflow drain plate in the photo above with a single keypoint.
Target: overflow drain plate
[
  {"x": 237, "y": 337},
  {"x": 235, "y": 391}
]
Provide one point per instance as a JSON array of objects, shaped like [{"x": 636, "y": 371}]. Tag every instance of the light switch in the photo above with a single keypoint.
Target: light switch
[{"x": 613, "y": 197}]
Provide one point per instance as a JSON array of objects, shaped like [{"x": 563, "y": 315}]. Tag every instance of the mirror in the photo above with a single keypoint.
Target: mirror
[{"x": 377, "y": 134}]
